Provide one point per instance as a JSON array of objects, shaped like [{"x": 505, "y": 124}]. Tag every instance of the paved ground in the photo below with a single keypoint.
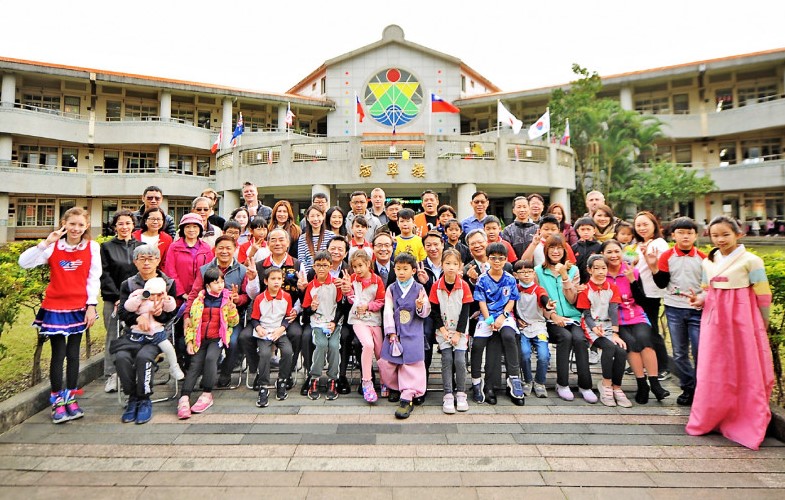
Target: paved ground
[{"x": 347, "y": 449}]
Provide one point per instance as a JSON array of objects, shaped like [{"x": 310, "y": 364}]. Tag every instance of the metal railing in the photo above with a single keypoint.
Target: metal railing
[{"x": 49, "y": 111}]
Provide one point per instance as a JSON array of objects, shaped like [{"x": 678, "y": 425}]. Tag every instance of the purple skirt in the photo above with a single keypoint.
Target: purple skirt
[{"x": 66, "y": 323}]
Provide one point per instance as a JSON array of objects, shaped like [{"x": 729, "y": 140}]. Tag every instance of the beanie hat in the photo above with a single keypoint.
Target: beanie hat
[
  {"x": 191, "y": 218},
  {"x": 155, "y": 285}
]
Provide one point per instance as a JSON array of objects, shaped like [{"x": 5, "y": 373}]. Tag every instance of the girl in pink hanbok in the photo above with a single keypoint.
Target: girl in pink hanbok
[{"x": 735, "y": 374}]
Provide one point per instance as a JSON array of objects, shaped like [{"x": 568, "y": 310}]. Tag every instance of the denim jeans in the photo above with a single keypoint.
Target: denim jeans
[
  {"x": 684, "y": 326},
  {"x": 543, "y": 358}
]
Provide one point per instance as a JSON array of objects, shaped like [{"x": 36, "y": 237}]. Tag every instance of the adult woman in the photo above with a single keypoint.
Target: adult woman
[
  {"x": 557, "y": 210},
  {"x": 241, "y": 216},
  {"x": 152, "y": 232},
  {"x": 335, "y": 217},
  {"x": 648, "y": 234},
  {"x": 634, "y": 325},
  {"x": 283, "y": 217},
  {"x": 118, "y": 265},
  {"x": 561, "y": 281},
  {"x": 606, "y": 229},
  {"x": 202, "y": 207},
  {"x": 315, "y": 238}
]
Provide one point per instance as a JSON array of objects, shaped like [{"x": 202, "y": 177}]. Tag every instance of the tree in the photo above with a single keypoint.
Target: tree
[{"x": 662, "y": 185}]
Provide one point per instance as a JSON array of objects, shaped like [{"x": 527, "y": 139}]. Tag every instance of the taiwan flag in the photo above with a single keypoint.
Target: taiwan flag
[
  {"x": 360, "y": 111},
  {"x": 439, "y": 105}
]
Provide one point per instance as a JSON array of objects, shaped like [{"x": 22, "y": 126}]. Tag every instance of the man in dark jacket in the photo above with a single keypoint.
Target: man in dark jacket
[
  {"x": 152, "y": 198},
  {"x": 521, "y": 232}
]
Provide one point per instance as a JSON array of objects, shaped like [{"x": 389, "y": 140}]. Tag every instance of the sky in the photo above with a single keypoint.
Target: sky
[{"x": 270, "y": 45}]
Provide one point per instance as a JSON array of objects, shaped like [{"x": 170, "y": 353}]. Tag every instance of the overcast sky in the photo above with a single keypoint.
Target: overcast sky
[{"x": 270, "y": 45}]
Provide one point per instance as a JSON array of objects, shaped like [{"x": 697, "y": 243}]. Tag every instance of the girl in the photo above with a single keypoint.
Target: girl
[
  {"x": 365, "y": 292},
  {"x": 452, "y": 233},
  {"x": 557, "y": 210},
  {"x": 69, "y": 306},
  {"x": 629, "y": 248},
  {"x": 241, "y": 216},
  {"x": 255, "y": 248},
  {"x": 735, "y": 372},
  {"x": 213, "y": 314},
  {"x": 152, "y": 232},
  {"x": 335, "y": 218},
  {"x": 604, "y": 218},
  {"x": 634, "y": 325},
  {"x": 561, "y": 281},
  {"x": 599, "y": 302},
  {"x": 283, "y": 217},
  {"x": 314, "y": 239},
  {"x": 450, "y": 301}
]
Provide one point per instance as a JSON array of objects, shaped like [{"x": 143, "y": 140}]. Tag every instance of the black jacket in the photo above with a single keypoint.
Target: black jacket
[{"x": 118, "y": 265}]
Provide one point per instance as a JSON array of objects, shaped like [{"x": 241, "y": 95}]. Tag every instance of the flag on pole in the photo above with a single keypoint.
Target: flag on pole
[
  {"x": 541, "y": 126},
  {"x": 360, "y": 111},
  {"x": 289, "y": 115},
  {"x": 218, "y": 140},
  {"x": 504, "y": 116},
  {"x": 565, "y": 139},
  {"x": 238, "y": 130},
  {"x": 439, "y": 105}
]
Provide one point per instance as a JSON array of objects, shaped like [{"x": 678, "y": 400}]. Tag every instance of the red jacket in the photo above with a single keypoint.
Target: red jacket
[{"x": 164, "y": 242}]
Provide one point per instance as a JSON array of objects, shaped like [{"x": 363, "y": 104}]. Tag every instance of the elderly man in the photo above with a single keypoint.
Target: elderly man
[
  {"x": 252, "y": 203},
  {"x": 134, "y": 361},
  {"x": 359, "y": 203},
  {"x": 593, "y": 200},
  {"x": 152, "y": 198},
  {"x": 214, "y": 219}
]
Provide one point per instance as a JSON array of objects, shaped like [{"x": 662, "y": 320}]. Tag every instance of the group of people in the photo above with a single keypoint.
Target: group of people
[{"x": 382, "y": 283}]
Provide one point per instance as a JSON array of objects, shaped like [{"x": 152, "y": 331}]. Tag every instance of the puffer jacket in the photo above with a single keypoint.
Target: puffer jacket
[{"x": 229, "y": 318}]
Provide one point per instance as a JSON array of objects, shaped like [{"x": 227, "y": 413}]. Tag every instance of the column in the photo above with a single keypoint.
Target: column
[
  {"x": 6, "y": 147},
  {"x": 226, "y": 121},
  {"x": 559, "y": 195},
  {"x": 282, "y": 117},
  {"x": 464, "y": 202},
  {"x": 8, "y": 94},
  {"x": 229, "y": 201},
  {"x": 321, "y": 188},
  {"x": 163, "y": 158},
  {"x": 4, "y": 217},
  {"x": 625, "y": 98},
  {"x": 166, "y": 106},
  {"x": 96, "y": 208}
]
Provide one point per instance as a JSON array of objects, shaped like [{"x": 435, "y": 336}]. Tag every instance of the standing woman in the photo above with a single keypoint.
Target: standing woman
[
  {"x": 117, "y": 261},
  {"x": 283, "y": 217},
  {"x": 241, "y": 216},
  {"x": 335, "y": 219},
  {"x": 70, "y": 302},
  {"x": 648, "y": 234},
  {"x": 202, "y": 207},
  {"x": 606, "y": 225},
  {"x": 152, "y": 233},
  {"x": 557, "y": 210},
  {"x": 315, "y": 238}
]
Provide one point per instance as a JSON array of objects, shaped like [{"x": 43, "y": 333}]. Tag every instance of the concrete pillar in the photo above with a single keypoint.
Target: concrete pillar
[
  {"x": 321, "y": 188},
  {"x": 8, "y": 93},
  {"x": 166, "y": 106},
  {"x": 229, "y": 201},
  {"x": 4, "y": 198},
  {"x": 96, "y": 208},
  {"x": 226, "y": 121},
  {"x": 282, "y": 117},
  {"x": 625, "y": 98},
  {"x": 163, "y": 158},
  {"x": 559, "y": 195},
  {"x": 6, "y": 149},
  {"x": 464, "y": 200}
]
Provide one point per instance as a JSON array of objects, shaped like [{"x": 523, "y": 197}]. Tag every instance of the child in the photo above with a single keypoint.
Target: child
[
  {"x": 402, "y": 363},
  {"x": 549, "y": 225},
  {"x": 453, "y": 232},
  {"x": 533, "y": 327},
  {"x": 493, "y": 229},
  {"x": 599, "y": 302},
  {"x": 587, "y": 245},
  {"x": 143, "y": 302},
  {"x": 255, "y": 249},
  {"x": 407, "y": 241},
  {"x": 365, "y": 292},
  {"x": 450, "y": 302},
  {"x": 70, "y": 301},
  {"x": 496, "y": 292},
  {"x": 629, "y": 247},
  {"x": 359, "y": 228},
  {"x": 321, "y": 305},
  {"x": 735, "y": 374},
  {"x": 269, "y": 321},
  {"x": 213, "y": 315},
  {"x": 679, "y": 271}
]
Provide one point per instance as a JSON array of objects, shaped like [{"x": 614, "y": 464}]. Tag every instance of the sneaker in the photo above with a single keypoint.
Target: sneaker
[
  {"x": 527, "y": 388},
  {"x": 144, "y": 411},
  {"x": 71, "y": 406},
  {"x": 344, "y": 387},
  {"x": 478, "y": 392},
  {"x": 369, "y": 393},
  {"x": 280, "y": 390},
  {"x": 404, "y": 410},
  {"x": 540, "y": 391},
  {"x": 289, "y": 383},
  {"x": 606, "y": 395},
  {"x": 204, "y": 402},
  {"x": 448, "y": 404},
  {"x": 313, "y": 390},
  {"x": 183, "y": 408},
  {"x": 224, "y": 380},
  {"x": 111, "y": 383},
  {"x": 565, "y": 392},
  {"x": 461, "y": 403},
  {"x": 621, "y": 398},
  {"x": 588, "y": 395},
  {"x": 257, "y": 382},
  {"x": 516, "y": 388},
  {"x": 663, "y": 375},
  {"x": 394, "y": 396},
  {"x": 332, "y": 394},
  {"x": 686, "y": 397},
  {"x": 129, "y": 415},
  {"x": 384, "y": 392},
  {"x": 490, "y": 397},
  {"x": 628, "y": 371},
  {"x": 305, "y": 386},
  {"x": 264, "y": 398},
  {"x": 594, "y": 357},
  {"x": 178, "y": 374},
  {"x": 59, "y": 415},
  {"x": 419, "y": 400}
]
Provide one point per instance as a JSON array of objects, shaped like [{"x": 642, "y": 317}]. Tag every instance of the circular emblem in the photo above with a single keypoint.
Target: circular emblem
[
  {"x": 393, "y": 97},
  {"x": 405, "y": 317}
]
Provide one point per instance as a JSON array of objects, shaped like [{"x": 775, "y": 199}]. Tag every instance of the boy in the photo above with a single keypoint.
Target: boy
[
  {"x": 496, "y": 292},
  {"x": 679, "y": 270},
  {"x": 402, "y": 363},
  {"x": 531, "y": 309},
  {"x": 359, "y": 228},
  {"x": 269, "y": 321},
  {"x": 320, "y": 303},
  {"x": 549, "y": 226},
  {"x": 255, "y": 249},
  {"x": 521, "y": 232},
  {"x": 493, "y": 229},
  {"x": 407, "y": 241},
  {"x": 453, "y": 232},
  {"x": 586, "y": 246}
]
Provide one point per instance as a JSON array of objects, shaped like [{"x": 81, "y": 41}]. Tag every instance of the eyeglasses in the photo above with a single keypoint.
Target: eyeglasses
[
  {"x": 321, "y": 265},
  {"x": 382, "y": 245},
  {"x": 202, "y": 209},
  {"x": 154, "y": 219},
  {"x": 152, "y": 198},
  {"x": 147, "y": 259},
  {"x": 479, "y": 202},
  {"x": 497, "y": 258},
  {"x": 526, "y": 271}
]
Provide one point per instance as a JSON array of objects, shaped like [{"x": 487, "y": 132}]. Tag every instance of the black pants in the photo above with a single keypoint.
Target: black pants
[
  {"x": 651, "y": 306},
  {"x": 232, "y": 352},
  {"x": 570, "y": 338},
  {"x": 135, "y": 369},
  {"x": 247, "y": 342},
  {"x": 347, "y": 347},
  {"x": 64, "y": 347},
  {"x": 613, "y": 360},
  {"x": 205, "y": 363},
  {"x": 506, "y": 339},
  {"x": 430, "y": 340}
]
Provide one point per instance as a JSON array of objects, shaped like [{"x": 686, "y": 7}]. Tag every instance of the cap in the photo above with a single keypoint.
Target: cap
[{"x": 155, "y": 285}]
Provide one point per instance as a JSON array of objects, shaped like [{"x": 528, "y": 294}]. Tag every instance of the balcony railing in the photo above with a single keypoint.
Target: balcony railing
[{"x": 50, "y": 111}]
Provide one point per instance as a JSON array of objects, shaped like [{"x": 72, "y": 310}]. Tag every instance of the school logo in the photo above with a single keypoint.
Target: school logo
[
  {"x": 70, "y": 265},
  {"x": 506, "y": 291},
  {"x": 393, "y": 97}
]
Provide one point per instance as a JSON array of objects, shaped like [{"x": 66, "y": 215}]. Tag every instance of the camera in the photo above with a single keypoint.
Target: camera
[{"x": 146, "y": 294}]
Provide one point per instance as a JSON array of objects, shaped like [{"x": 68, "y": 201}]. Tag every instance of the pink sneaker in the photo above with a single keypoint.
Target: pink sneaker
[
  {"x": 369, "y": 393},
  {"x": 183, "y": 408},
  {"x": 203, "y": 403}
]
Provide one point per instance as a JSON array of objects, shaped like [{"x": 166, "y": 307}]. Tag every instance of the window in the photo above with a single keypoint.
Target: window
[
  {"x": 111, "y": 162},
  {"x": 652, "y": 105},
  {"x": 463, "y": 83},
  {"x": 323, "y": 85},
  {"x": 203, "y": 119},
  {"x": 38, "y": 156},
  {"x": 140, "y": 112},
  {"x": 44, "y": 103},
  {"x": 69, "y": 159},
  {"x": 181, "y": 164},
  {"x": 727, "y": 154},
  {"x": 178, "y": 208},
  {"x": 684, "y": 155},
  {"x": 65, "y": 204},
  {"x": 35, "y": 212},
  {"x": 203, "y": 166},
  {"x": 681, "y": 104},
  {"x": 761, "y": 150},
  {"x": 139, "y": 163},
  {"x": 183, "y": 116},
  {"x": 253, "y": 123},
  {"x": 113, "y": 111},
  {"x": 757, "y": 93},
  {"x": 71, "y": 105},
  {"x": 724, "y": 99}
]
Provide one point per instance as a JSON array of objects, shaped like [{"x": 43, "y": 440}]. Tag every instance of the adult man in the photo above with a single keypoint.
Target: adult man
[
  {"x": 479, "y": 207},
  {"x": 382, "y": 253},
  {"x": 536, "y": 207},
  {"x": 152, "y": 198},
  {"x": 593, "y": 200},
  {"x": 252, "y": 203},
  {"x": 521, "y": 232},
  {"x": 378, "y": 197},
  {"x": 359, "y": 203},
  {"x": 214, "y": 219},
  {"x": 429, "y": 218},
  {"x": 318, "y": 200}
]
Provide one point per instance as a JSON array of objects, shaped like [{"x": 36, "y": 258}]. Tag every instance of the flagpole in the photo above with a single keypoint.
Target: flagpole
[
  {"x": 356, "y": 100},
  {"x": 569, "y": 137},
  {"x": 498, "y": 101},
  {"x": 286, "y": 121},
  {"x": 548, "y": 112},
  {"x": 430, "y": 111}
]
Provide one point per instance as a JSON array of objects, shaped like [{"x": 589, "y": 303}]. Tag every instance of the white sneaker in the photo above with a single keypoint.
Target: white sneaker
[
  {"x": 461, "y": 402},
  {"x": 606, "y": 395},
  {"x": 564, "y": 392},
  {"x": 111, "y": 383},
  {"x": 589, "y": 396},
  {"x": 540, "y": 391},
  {"x": 527, "y": 388},
  {"x": 621, "y": 398},
  {"x": 448, "y": 404},
  {"x": 176, "y": 372},
  {"x": 594, "y": 357}
]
